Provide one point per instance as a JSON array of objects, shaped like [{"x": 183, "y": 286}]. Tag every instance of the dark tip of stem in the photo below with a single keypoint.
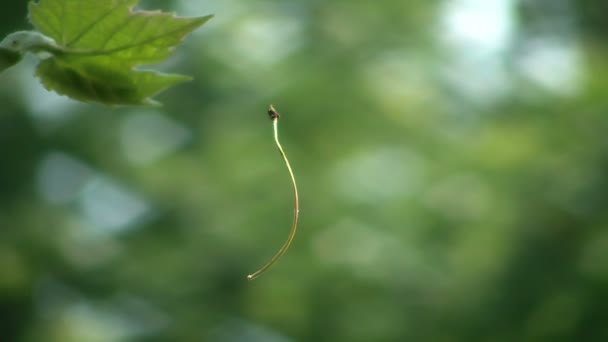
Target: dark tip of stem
[{"x": 274, "y": 115}]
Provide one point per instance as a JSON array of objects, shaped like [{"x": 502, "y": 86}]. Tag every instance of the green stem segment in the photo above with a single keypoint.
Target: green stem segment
[{"x": 274, "y": 116}]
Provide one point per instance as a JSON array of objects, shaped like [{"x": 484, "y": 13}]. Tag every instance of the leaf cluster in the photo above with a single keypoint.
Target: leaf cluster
[{"x": 92, "y": 50}]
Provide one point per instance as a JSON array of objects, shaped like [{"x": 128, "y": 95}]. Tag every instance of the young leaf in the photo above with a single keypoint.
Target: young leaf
[
  {"x": 96, "y": 79},
  {"x": 95, "y": 47},
  {"x": 112, "y": 28}
]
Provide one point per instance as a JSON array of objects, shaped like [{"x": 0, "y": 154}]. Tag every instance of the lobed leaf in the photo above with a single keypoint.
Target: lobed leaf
[
  {"x": 101, "y": 42},
  {"x": 98, "y": 80}
]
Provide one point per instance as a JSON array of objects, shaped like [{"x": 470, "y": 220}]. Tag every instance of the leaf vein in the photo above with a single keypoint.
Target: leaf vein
[
  {"x": 90, "y": 27},
  {"x": 117, "y": 29},
  {"x": 149, "y": 40}
]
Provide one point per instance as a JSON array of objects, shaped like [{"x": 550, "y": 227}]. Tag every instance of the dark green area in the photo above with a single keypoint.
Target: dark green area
[
  {"x": 8, "y": 58},
  {"x": 83, "y": 80},
  {"x": 451, "y": 156}
]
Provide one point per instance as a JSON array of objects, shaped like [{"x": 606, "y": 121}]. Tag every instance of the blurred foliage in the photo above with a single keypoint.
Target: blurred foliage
[{"x": 451, "y": 157}]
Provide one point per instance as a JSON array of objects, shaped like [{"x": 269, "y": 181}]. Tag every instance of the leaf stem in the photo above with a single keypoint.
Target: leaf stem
[{"x": 274, "y": 116}]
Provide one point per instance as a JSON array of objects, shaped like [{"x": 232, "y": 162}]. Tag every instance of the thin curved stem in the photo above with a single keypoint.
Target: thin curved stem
[{"x": 274, "y": 115}]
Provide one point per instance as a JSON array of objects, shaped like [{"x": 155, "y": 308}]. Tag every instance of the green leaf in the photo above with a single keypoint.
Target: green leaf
[
  {"x": 100, "y": 43},
  {"x": 96, "y": 79}
]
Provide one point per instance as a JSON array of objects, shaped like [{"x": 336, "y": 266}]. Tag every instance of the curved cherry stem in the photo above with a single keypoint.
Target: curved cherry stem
[{"x": 274, "y": 116}]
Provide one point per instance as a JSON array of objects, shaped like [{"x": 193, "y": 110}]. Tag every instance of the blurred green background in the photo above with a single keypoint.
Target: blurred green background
[{"x": 452, "y": 160}]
